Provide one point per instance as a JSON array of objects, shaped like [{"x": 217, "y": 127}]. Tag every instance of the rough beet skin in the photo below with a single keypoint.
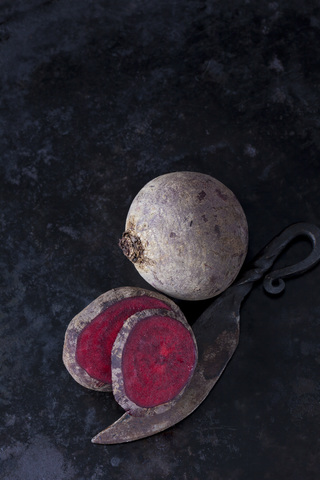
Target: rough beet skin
[
  {"x": 90, "y": 335},
  {"x": 187, "y": 235},
  {"x": 153, "y": 359}
]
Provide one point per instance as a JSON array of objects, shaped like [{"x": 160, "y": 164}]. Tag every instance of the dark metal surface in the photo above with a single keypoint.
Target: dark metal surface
[
  {"x": 97, "y": 98},
  {"x": 217, "y": 335}
]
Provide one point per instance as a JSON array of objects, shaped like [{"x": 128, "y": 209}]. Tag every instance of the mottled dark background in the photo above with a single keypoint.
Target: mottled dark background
[{"x": 97, "y": 98}]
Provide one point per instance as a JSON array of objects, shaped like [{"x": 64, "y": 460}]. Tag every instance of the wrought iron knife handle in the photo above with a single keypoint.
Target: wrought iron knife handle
[
  {"x": 261, "y": 265},
  {"x": 273, "y": 282}
]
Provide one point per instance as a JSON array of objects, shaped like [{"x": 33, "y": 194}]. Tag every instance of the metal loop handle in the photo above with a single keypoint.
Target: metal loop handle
[{"x": 273, "y": 282}]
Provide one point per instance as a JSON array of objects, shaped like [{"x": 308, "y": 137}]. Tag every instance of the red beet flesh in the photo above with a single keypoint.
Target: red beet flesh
[
  {"x": 95, "y": 342},
  {"x": 158, "y": 360}
]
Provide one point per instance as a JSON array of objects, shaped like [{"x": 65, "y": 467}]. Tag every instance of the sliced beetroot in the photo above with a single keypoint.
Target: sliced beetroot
[
  {"x": 90, "y": 335},
  {"x": 95, "y": 342},
  {"x": 153, "y": 359}
]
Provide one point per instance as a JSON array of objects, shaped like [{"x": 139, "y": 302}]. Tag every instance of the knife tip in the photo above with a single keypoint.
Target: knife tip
[{"x": 95, "y": 439}]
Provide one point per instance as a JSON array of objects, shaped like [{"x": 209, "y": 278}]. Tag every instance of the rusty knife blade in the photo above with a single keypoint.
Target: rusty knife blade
[{"x": 213, "y": 356}]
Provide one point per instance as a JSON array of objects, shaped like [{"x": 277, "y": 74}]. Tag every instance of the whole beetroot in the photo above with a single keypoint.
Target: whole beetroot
[{"x": 186, "y": 234}]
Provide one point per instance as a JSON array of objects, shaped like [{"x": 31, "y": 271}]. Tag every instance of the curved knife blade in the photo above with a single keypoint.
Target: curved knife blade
[{"x": 213, "y": 357}]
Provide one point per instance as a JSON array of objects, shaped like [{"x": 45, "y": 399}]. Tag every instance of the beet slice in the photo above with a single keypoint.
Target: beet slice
[
  {"x": 90, "y": 335},
  {"x": 95, "y": 342},
  {"x": 153, "y": 359}
]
